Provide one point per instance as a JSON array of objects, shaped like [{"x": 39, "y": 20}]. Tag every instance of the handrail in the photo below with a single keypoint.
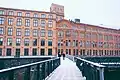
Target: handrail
[
  {"x": 23, "y": 66},
  {"x": 7, "y": 57},
  {"x": 95, "y": 64}
]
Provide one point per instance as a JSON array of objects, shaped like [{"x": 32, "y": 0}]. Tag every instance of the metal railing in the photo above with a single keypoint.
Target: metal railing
[
  {"x": 70, "y": 57},
  {"x": 10, "y": 61},
  {"x": 90, "y": 70},
  {"x": 34, "y": 71}
]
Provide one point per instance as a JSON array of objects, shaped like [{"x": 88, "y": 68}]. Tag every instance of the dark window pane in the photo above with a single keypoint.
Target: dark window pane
[
  {"x": 34, "y": 51},
  {"x": 42, "y": 51},
  {"x": 49, "y": 51},
  {"x": 8, "y": 53},
  {"x": 26, "y": 52}
]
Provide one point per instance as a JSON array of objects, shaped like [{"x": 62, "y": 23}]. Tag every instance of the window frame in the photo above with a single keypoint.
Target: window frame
[
  {"x": 1, "y": 30},
  {"x": 10, "y": 13},
  {"x": 35, "y": 22},
  {"x": 42, "y": 42},
  {"x": 18, "y": 32},
  {"x": 50, "y": 42},
  {"x": 35, "y": 32},
  {"x": 19, "y": 14},
  {"x": 9, "y": 41},
  {"x": 35, "y": 42},
  {"x": 10, "y": 31},
  {"x": 43, "y": 15},
  {"x": 27, "y": 22},
  {"x": 26, "y": 42},
  {"x": 43, "y": 23},
  {"x": 27, "y": 32},
  {"x": 1, "y": 41},
  {"x": 50, "y": 23},
  {"x": 19, "y": 22},
  {"x": 42, "y": 33},
  {"x": 2, "y": 20},
  {"x": 18, "y": 41},
  {"x": 50, "y": 33},
  {"x": 2, "y": 12},
  {"x": 10, "y": 21}
]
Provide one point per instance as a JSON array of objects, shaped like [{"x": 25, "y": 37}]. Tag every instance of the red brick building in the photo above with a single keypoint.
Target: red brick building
[{"x": 28, "y": 32}]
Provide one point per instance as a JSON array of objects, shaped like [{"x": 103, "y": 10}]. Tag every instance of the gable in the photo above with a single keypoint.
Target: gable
[{"x": 63, "y": 24}]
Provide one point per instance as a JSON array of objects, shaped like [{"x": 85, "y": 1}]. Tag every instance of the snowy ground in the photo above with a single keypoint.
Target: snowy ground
[{"x": 66, "y": 71}]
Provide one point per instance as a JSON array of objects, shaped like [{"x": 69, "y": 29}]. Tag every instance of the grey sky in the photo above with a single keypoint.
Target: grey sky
[{"x": 106, "y": 12}]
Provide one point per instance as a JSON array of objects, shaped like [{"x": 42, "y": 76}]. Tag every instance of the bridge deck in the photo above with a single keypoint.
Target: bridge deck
[{"x": 66, "y": 71}]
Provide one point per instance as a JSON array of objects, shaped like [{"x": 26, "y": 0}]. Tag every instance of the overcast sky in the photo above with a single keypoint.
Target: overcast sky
[{"x": 96, "y": 12}]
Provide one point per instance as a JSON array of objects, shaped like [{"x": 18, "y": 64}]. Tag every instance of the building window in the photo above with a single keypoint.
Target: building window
[
  {"x": 66, "y": 42},
  {"x": 35, "y": 32},
  {"x": 2, "y": 20},
  {"x": 27, "y": 22},
  {"x": 27, "y": 32},
  {"x": 35, "y": 15},
  {"x": 26, "y": 42},
  {"x": 9, "y": 41},
  {"x": 49, "y": 42},
  {"x": 17, "y": 52},
  {"x": 35, "y": 23},
  {"x": 10, "y": 21},
  {"x": 43, "y": 16},
  {"x": 42, "y": 42},
  {"x": 34, "y": 51},
  {"x": 19, "y": 21},
  {"x": 1, "y": 31},
  {"x": 60, "y": 33},
  {"x": 82, "y": 35},
  {"x": 43, "y": 23},
  {"x": 50, "y": 24},
  {"x": 27, "y": 14},
  {"x": 34, "y": 42},
  {"x": 81, "y": 43},
  {"x": 75, "y": 34},
  {"x": 49, "y": 51},
  {"x": 50, "y": 33},
  {"x": 50, "y": 16},
  {"x": 2, "y": 12},
  {"x": 8, "y": 52},
  {"x": 26, "y": 52},
  {"x": 10, "y": 31},
  {"x": 59, "y": 43},
  {"x": 66, "y": 51},
  {"x": 1, "y": 41},
  {"x": 18, "y": 41},
  {"x": 18, "y": 32},
  {"x": 42, "y": 32},
  {"x": 69, "y": 42},
  {"x": 10, "y": 13},
  {"x": 42, "y": 51},
  {"x": 0, "y": 51},
  {"x": 67, "y": 34},
  {"x": 19, "y": 14}
]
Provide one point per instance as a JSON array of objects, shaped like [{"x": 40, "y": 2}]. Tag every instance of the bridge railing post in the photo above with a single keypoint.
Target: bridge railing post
[
  {"x": 101, "y": 72},
  {"x": 11, "y": 75},
  {"x": 38, "y": 71},
  {"x": 27, "y": 76}
]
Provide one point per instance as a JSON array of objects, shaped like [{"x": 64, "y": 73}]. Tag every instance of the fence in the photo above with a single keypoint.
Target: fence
[
  {"x": 34, "y": 71},
  {"x": 91, "y": 70}
]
